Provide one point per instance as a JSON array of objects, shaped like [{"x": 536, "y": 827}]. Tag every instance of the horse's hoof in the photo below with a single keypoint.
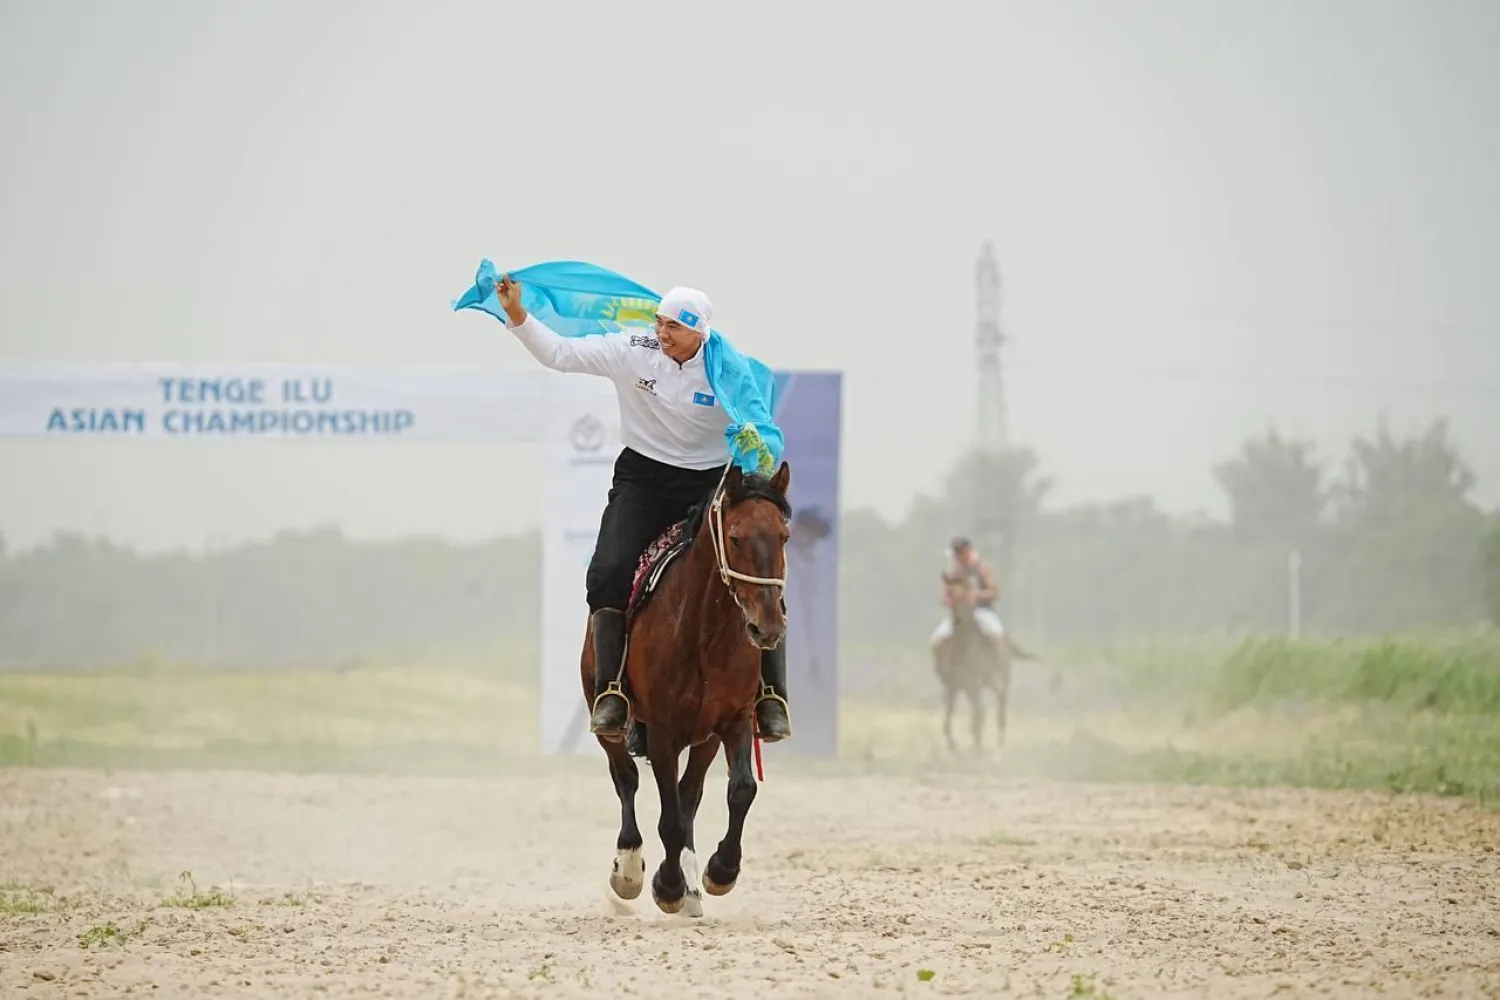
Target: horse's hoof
[
  {"x": 667, "y": 902},
  {"x": 689, "y": 904},
  {"x": 629, "y": 875},
  {"x": 717, "y": 879},
  {"x": 715, "y": 889}
]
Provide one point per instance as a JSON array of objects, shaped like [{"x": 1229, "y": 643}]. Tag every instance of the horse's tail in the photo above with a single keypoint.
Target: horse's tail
[{"x": 1016, "y": 651}]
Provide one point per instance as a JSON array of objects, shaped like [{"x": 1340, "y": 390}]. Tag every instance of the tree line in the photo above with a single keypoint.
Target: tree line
[{"x": 1390, "y": 539}]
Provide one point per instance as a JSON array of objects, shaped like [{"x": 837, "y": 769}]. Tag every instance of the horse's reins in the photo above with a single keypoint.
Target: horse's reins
[{"x": 721, "y": 556}]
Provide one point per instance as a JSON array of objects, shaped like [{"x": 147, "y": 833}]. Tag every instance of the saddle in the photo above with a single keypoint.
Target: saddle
[{"x": 652, "y": 564}]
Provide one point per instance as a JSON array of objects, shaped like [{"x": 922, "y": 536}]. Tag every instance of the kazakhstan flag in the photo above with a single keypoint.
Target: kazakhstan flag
[{"x": 581, "y": 300}]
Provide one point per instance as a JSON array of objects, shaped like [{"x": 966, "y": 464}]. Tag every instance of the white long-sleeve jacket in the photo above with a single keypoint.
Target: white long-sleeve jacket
[{"x": 667, "y": 411}]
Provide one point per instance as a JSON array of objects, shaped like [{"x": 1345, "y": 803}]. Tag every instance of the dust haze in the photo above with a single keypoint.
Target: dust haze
[
  {"x": 269, "y": 712},
  {"x": 1208, "y": 219}
]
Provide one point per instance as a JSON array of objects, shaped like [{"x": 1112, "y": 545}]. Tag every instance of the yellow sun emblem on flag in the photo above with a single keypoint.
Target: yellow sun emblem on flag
[{"x": 621, "y": 309}]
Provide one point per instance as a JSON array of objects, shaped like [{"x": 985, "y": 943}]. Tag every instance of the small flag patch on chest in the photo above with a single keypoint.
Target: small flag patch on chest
[{"x": 703, "y": 399}]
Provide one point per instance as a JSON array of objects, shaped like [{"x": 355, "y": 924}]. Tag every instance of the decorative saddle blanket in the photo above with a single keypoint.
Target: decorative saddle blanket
[{"x": 653, "y": 563}]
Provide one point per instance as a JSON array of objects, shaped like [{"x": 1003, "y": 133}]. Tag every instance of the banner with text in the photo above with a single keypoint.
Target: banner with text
[{"x": 257, "y": 400}]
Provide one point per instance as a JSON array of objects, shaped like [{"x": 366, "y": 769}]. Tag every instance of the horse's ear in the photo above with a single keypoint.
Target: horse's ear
[
  {"x": 734, "y": 479},
  {"x": 782, "y": 479}
]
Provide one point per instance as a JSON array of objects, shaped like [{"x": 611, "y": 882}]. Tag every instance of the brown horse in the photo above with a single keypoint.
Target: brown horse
[
  {"x": 970, "y": 662},
  {"x": 692, "y": 668}
]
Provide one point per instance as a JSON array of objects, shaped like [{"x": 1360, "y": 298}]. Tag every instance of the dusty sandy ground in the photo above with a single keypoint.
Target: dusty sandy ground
[{"x": 363, "y": 886}]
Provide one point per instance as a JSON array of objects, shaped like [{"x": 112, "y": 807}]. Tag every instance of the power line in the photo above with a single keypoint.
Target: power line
[
  {"x": 1047, "y": 314},
  {"x": 1310, "y": 380}
]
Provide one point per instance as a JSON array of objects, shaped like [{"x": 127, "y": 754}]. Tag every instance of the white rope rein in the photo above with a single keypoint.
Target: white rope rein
[{"x": 716, "y": 529}]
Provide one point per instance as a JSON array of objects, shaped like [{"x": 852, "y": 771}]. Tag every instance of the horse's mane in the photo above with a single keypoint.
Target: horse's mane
[{"x": 748, "y": 487}]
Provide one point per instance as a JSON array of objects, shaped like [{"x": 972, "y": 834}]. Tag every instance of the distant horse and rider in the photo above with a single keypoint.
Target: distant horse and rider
[{"x": 972, "y": 652}]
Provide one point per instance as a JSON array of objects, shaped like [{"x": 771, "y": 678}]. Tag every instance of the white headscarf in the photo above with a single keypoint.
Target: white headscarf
[{"x": 687, "y": 306}]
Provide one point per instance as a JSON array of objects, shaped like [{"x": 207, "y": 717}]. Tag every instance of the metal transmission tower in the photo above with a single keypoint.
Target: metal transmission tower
[
  {"x": 993, "y": 505},
  {"x": 992, "y": 434}
]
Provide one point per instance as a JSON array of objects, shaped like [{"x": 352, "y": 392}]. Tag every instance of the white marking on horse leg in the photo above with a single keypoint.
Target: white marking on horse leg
[
  {"x": 629, "y": 875},
  {"x": 692, "y": 904},
  {"x": 690, "y": 870}
]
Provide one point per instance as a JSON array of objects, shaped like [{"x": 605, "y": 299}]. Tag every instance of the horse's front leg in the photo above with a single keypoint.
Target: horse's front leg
[
  {"x": 629, "y": 874},
  {"x": 689, "y": 797},
  {"x": 723, "y": 868},
  {"x": 976, "y": 715},
  {"x": 669, "y": 887},
  {"x": 950, "y": 695}
]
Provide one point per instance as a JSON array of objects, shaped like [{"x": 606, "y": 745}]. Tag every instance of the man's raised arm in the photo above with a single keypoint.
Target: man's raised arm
[{"x": 598, "y": 355}]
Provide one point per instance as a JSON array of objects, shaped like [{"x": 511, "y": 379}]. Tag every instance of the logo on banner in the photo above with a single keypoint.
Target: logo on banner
[{"x": 587, "y": 434}]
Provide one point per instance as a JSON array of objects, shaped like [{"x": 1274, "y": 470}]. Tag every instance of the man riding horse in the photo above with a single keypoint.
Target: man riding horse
[
  {"x": 971, "y": 572},
  {"x": 673, "y": 431}
]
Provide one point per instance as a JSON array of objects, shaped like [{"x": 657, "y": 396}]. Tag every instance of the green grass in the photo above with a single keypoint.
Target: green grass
[
  {"x": 1452, "y": 675},
  {"x": 23, "y": 902},
  {"x": 189, "y": 897},
  {"x": 100, "y": 935},
  {"x": 1408, "y": 714},
  {"x": 440, "y": 717},
  {"x": 1405, "y": 713},
  {"x": 1083, "y": 987},
  {"x": 1005, "y": 840}
]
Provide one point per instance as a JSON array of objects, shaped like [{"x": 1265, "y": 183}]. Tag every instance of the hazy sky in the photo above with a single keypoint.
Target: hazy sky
[{"x": 1210, "y": 216}]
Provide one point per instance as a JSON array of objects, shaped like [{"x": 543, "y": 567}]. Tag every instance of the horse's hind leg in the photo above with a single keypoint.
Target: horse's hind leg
[
  {"x": 976, "y": 716},
  {"x": 950, "y": 695},
  {"x": 669, "y": 886},
  {"x": 1002, "y": 698},
  {"x": 629, "y": 874},
  {"x": 723, "y": 868}
]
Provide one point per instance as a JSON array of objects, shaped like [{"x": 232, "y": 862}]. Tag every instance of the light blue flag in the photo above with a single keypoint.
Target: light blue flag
[{"x": 581, "y": 300}]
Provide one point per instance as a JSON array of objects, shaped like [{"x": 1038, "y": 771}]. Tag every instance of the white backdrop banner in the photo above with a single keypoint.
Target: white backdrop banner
[
  {"x": 582, "y": 440},
  {"x": 254, "y": 400}
]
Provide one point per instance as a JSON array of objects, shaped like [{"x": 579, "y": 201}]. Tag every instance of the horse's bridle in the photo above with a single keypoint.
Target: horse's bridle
[{"x": 716, "y": 529}]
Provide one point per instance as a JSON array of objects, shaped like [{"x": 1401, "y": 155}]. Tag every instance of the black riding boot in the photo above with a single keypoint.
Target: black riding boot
[
  {"x": 611, "y": 709},
  {"x": 772, "y": 713}
]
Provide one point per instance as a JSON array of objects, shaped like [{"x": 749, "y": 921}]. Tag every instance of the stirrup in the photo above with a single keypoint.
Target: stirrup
[
  {"x": 768, "y": 693},
  {"x": 612, "y": 688}
]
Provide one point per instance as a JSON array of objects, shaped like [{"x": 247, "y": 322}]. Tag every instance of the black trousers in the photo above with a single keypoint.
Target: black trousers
[{"x": 646, "y": 498}]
